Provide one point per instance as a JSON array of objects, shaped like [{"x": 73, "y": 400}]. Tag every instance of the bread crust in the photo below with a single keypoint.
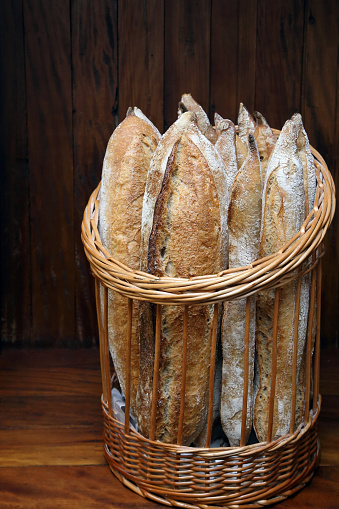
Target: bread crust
[
  {"x": 244, "y": 218},
  {"x": 187, "y": 103},
  {"x": 125, "y": 167},
  {"x": 283, "y": 215},
  {"x": 225, "y": 146},
  {"x": 265, "y": 139},
  {"x": 185, "y": 241},
  {"x": 155, "y": 177},
  {"x": 246, "y": 124}
]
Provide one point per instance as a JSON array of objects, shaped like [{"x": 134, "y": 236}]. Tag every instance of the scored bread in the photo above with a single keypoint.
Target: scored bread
[
  {"x": 188, "y": 238},
  {"x": 127, "y": 159},
  {"x": 283, "y": 215},
  {"x": 155, "y": 177},
  {"x": 244, "y": 218}
]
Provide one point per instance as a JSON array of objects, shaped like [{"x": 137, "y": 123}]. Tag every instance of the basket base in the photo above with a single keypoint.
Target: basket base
[
  {"x": 259, "y": 504},
  {"x": 253, "y": 476}
]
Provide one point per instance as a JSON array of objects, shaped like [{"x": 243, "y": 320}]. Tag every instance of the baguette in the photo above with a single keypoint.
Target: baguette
[
  {"x": 246, "y": 124},
  {"x": 244, "y": 218},
  {"x": 265, "y": 139},
  {"x": 155, "y": 177},
  {"x": 187, "y": 103},
  {"x": 188, "y": 238},
  {"x": 241, "y": 150},
  {"x": 310, "y": 184},
  {"x": 283, "y": 215},
  {"x": 305, "y": 154},
  {"x": 225, "y": 146},
  {"x": 127, "y": 159}
]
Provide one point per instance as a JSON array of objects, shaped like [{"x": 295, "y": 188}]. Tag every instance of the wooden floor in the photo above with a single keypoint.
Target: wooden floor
[{"x": 51, "y": 452}]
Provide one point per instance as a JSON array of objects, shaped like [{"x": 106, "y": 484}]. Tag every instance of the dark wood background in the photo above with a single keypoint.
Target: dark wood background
[{"x": 69, "y": 70}]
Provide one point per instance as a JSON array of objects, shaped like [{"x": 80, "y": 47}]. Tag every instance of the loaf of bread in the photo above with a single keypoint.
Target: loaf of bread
[
  {"x": 187, "y": 103},
  {"x": 265, "y": 139},
  {"x": 188, "y": 238},
  {"x": 127, "y": 159},
  {"x": 305, "y": 154},
  {"x": 244, "y": 219},
  {"x": 283, "y": 215},
  {"x": 310, "y": 185},
  {"x": 196, "y": 201},
  {"x": 241, "y": 149},
  {"x": 225, "y": 146},
  {"x": 246, "y": 124}
]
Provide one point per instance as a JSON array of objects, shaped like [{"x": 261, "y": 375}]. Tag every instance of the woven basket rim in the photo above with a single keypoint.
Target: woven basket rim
[{"x": 268, "y": 272}]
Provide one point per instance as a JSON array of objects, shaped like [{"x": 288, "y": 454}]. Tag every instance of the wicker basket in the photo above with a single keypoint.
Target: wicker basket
[{"x": 249, "y": 476}]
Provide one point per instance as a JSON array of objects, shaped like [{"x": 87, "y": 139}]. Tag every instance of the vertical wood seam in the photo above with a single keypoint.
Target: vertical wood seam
[
  {"x": 29, "y": 177},
  {"x": 73, "y": 164}
]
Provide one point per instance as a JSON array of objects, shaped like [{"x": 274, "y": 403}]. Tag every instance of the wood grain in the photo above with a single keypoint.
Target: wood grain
[
  {"x": 247, "y": 63},
  {"x": 279, "y": 60},
  {"x": 320, "y": 113},
  {"x": 51, "y": 446},
  {"x": 68, "y": 69},
  {"x": 95, "y": 487},
  {"x": 224, "y": 59},
  {"x": 233, "y": 56},
  {"x": 34, "y": 412},
  {"x": 60, "y": 487},
  {"x": 187, "y": 54},
  {"x": 141, "y": 58},
  {"x": 49, "y": 116},
  {"x": 15, "y": 198},
  {"x": 95, "y": 116},
  {"x": 57, "y": 372}
]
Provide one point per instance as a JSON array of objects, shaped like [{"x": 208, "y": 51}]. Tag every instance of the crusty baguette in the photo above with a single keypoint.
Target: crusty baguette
[
  {"x": 283, "y": 215},
  {"x": 241, "y": 151},
  {"x": 265, "y": 139},
  {"x": 305, "y": 154},
  {"x": 246, "y": 124},
  {"x": 188, "y": 238},
  {"x": 310, "y": 185},
  {"x": 155, "y": 177},
  {"x": 127, "y": 159},
  {"x": 244, "y": 218},
  {"x": 187, "y": 103},
  {"x": 225, "y": 146}
]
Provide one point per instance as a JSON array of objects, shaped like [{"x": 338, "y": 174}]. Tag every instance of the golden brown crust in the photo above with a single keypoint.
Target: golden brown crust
[
  {"x": 265, "y": 139},
  {"x": 241, "y": 151},
  {"x": 244, "y": 218},
  {"x": 282, "y": 218},
  {"x": 246, "y": 123},
  {"x": 185, "y": 241},
  {"x": 126, "y": 163}
]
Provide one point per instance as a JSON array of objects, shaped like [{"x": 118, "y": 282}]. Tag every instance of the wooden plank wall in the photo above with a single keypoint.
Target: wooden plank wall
[{"x": 69, "y": 70}]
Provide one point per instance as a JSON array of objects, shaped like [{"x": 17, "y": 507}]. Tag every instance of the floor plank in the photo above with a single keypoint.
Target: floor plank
[
  {"x": 50, "y": 372},
  {"x": 51, "y": 446},
  {"x": 26, "y": 412},
  {"x": 86, "y": 487},
  {"x": 96, "y": 487},
  {"x": 44, "y": 447}
]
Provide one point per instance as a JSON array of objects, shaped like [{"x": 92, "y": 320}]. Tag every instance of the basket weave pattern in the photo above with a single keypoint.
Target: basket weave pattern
[{"x": 250, "y": 476}]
